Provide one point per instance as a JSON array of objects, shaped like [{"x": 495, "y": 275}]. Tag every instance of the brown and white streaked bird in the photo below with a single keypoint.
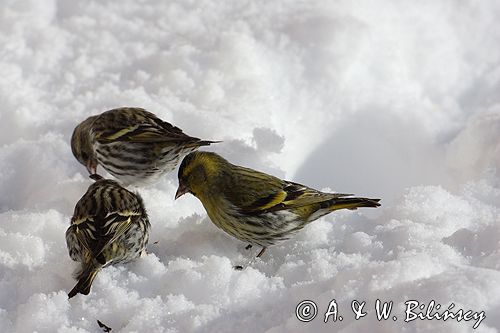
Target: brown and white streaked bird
[
  {"x": 109, "y": 226},
  {"x": 132, "y": 144}
]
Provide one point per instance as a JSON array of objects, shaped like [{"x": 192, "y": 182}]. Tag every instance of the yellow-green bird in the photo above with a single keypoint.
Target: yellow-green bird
[
  {"x": 132, "y": 144},
  {"x": 109, "y": 226},
  {"x": 253, "y": 206}
]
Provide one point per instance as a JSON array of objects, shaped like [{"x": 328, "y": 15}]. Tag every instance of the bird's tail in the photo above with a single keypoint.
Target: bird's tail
[
  {"x": 352, "y": 203},
  {"x": 85, "y": 279},
  {"x": 205, "y": 142}
]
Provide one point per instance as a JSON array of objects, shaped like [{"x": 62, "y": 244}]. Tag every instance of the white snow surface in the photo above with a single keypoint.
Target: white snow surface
[{"x": 389, "y": 99}]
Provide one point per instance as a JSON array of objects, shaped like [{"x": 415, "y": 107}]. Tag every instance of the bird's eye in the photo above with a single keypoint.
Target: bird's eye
[{"x": 85, "y": 156}]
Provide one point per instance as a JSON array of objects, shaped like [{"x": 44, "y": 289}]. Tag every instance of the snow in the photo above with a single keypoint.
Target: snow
[{"x": 391, "y": 99}]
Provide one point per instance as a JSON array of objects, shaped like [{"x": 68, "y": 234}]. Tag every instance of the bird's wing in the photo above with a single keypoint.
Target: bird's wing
[
  {"x": 81, "y": 228},
  {"x": 96, "y": 233},
  {"x": 255, "y": 193},
  {"x": 136, "y": 125}
]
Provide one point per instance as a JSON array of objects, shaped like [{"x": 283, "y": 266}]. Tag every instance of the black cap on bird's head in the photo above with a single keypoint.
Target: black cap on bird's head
[
  {"x": 185, "y": 162},
  {"x": 196, "y": 171},
  {"x": 182, "y": 176}
]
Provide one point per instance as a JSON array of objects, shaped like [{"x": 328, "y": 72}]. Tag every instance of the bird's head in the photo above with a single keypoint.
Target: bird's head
[
  {"x": 81, "y": 145},
  {"x": 198, "y": 172}
]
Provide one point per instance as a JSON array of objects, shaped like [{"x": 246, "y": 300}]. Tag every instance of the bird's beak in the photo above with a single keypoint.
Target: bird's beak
[
  {"x": 91, "y": 167},
  {"x": 181, "y": 190}
]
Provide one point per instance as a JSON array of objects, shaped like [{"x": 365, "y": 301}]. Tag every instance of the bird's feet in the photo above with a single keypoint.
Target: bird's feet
[{"x": 252, "y": 260}]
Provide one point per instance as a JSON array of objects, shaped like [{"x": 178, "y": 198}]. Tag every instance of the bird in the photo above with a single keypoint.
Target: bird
[
  {"x": 253, "y": 206},
  {"x": 132, "y": 144},
  {"x": 110, "y": 225}
]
